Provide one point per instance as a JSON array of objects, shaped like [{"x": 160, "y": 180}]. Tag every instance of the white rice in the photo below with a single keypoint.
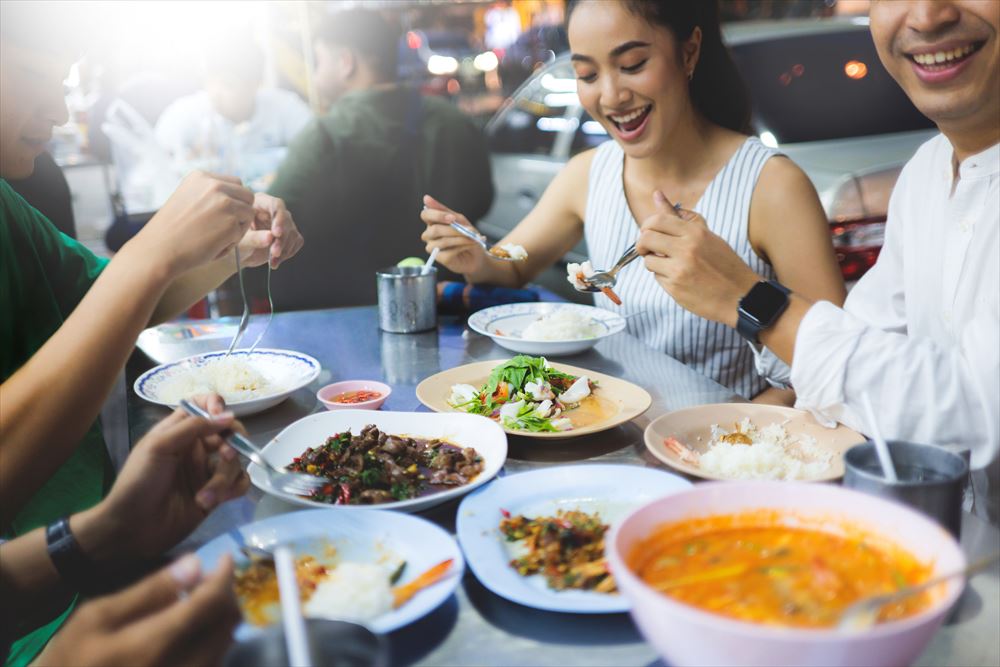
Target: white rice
[
  {"x": 515, "y": 251},
  {"x": 773, "y": 454},
  {"x": 233, "y": 378},
  {"x": 352, "y": 592},
  {"x": 562, "y": 324}
]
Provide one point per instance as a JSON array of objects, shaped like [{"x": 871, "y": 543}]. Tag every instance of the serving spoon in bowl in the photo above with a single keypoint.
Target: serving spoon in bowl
[
  {"x": 492, "y": 251},
  {"x": 863, "y": 614}
]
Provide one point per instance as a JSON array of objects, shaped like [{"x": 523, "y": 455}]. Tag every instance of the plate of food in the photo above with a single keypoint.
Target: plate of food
[
  {"x": 537, "y": 538},
  {"x": 549, "y": 329},
  {"x": 531, "y": 397},
  {"x": 248, "y": 382},
  {"x": 730, "y": 441},
  {"x": 406, "y": 461},
  {"x": 382, "y": 569}
]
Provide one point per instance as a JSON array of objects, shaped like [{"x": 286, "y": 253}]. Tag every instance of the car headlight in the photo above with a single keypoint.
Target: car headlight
[
  {"x": 486, "y": 61},
  {"x": 438, "y": 64}
]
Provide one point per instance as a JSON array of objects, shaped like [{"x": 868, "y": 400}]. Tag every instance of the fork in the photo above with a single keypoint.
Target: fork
[
  {"x": 602, "y": 280},
  {"x": 282, "y": 479},
  {"x": 245, "y": 318},
  {"x": 481, "y": 240}
]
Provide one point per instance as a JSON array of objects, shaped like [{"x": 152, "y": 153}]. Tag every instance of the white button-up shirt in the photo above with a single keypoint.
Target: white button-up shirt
[{"x": 921, "y": 331}]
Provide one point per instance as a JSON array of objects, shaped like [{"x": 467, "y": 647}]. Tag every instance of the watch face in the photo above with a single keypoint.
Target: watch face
[{"x": 764, "y": 302}]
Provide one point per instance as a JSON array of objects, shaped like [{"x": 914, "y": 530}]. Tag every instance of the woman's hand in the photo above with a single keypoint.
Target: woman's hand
[
  {"x": 695, "y": 266},
  {"x": 205, "y": 217},
  {"x": 456, "y": 252},
  {"x": 172, "y": 617},
  {"x": 273, "y": 236},
  {"x": 178, "y": 473}
]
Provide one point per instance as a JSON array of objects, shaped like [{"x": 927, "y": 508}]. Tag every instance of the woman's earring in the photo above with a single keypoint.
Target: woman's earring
[{"x": 691, "y": 75}]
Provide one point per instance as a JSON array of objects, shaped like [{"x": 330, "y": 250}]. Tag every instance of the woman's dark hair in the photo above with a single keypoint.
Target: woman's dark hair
[{"x": 717, "y": 89}]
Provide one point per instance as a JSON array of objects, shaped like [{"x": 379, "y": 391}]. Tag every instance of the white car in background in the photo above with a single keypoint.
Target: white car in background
[{"x": 819, "y": 94}]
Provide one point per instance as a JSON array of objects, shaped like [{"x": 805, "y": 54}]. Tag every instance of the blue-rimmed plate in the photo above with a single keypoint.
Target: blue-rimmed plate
[
  {"x": 610, "y": 490},
  {"x": 506, "y": 324},
  {"x": 285, "y": 371},
  {"x": 338, "y": 535}
]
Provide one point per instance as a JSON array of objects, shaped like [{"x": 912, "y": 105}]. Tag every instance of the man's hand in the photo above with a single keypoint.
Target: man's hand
[
  {"x": 203, "y": 220},
  {"x": 179, "y": 472},
  {"x": 695, "y": 266},
  {"x": 273, "y": 235},
  {"x": 172, "y": 617}
]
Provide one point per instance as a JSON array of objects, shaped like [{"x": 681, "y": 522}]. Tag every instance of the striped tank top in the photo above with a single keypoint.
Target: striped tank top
[{"x": 653, "y": 316}]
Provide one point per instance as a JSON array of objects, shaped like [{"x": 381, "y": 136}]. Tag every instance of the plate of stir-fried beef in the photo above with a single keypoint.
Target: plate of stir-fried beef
[{"x": 405, "y": 461}]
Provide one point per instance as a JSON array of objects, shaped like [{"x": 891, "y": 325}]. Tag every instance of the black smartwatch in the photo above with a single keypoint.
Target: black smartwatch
[
  {"x": 73, "y": 566},
  {"x": 760, "y": 308}
]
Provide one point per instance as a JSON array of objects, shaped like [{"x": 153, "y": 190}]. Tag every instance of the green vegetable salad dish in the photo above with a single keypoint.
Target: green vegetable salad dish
[{"x": 525, "y": 394}]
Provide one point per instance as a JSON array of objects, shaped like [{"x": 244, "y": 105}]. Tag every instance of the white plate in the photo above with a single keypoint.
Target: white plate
[
  {"x": 611, "y": 490},
  {"x": 461, "y": 429},
  {"x": 509, "y": 320},
  {"x": 174, "y": 341},
  {"x": 358, "y": 536},
  {"x": 283, "y": 368}
]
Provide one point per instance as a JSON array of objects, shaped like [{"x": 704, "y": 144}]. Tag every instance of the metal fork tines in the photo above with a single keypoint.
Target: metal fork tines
[
  {"x": 603, "y": 279},
  {"x": 282, "y": 479},
  {"x": 481, "y": 240},
  {"x": 245, "y": 318}
]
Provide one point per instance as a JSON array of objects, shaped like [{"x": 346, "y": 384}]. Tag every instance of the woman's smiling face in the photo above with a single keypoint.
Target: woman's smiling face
[{"x": 632, "y": 76}]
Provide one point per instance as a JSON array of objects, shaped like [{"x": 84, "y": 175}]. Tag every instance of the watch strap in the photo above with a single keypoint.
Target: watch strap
[{"x": 67, "y": 557}]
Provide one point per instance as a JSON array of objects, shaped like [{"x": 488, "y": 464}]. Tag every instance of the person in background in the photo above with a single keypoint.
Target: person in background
[
  {"x": 176, "y": 474},
  {"x": 69, "y": 319},
  {"x": 659, "y": 79},
  {"x": 48, "y": 191},
  {"x": 920, "y": 332},
  {"x": 233, "y": 126},
  {"x": 354, "y": 176}
]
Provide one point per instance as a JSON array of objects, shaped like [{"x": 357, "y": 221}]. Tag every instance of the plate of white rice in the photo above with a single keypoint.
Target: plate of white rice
[
  {"x": 249, "y": 383},
  {"x": 747, "y": 441},
  {"x": 546, "y": 329}
]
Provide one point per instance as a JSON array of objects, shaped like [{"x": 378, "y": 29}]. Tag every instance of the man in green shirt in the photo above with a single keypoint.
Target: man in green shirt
[
  {"x": 355, "y": 177},
  {"x": 68, "y": 319}
]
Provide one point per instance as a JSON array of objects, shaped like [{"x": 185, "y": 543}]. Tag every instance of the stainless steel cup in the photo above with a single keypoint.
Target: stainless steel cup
[
  {"x": 330, "y": 643},
  {"x": 931, "y": 479},
  {"x": 407, "y": 299}
]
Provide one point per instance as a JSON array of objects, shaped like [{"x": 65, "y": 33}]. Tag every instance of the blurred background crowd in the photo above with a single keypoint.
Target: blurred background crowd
[{"x": 226, "y": 86}]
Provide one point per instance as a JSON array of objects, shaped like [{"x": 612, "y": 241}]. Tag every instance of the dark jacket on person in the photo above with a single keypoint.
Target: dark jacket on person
[{"x": 354, "y": 180}]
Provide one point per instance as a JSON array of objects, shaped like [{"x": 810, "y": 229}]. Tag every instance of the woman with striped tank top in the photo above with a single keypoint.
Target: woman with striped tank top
[{"x": 657, "y": 76}]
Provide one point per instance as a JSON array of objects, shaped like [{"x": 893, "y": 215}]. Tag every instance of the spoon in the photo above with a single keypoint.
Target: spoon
[
  {"x": 863, "y": 614},
  {"x": 881, "y": 446},
  {"x": 481, "y": 240}
]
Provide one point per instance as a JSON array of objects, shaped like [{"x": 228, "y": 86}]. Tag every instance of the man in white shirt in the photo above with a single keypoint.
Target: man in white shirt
[
  {"x": 233, "y": 126},
  {"x": 920, "y": 333}
]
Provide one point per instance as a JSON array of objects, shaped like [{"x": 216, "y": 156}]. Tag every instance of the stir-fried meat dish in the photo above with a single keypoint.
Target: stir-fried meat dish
[
  {"x": 375, "y": 467},
  {"x": 568, "y": 549}
]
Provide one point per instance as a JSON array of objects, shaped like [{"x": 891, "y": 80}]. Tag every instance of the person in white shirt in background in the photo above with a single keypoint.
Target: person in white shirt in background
[
  {"x": 920, "y": 333},
  {"x": 233, "y": 126}
]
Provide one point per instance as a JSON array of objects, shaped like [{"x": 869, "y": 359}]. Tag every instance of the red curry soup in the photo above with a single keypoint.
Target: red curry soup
[{"x": 753, "y": 567}]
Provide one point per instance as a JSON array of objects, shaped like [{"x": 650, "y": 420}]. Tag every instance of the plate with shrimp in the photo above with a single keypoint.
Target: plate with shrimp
[
  {"x": 537, "y": 537},
  {"x": 741, "y": 441}
]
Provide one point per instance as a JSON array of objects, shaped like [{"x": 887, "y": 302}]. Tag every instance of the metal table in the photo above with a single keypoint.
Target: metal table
[{"x": 477, "y": 627}]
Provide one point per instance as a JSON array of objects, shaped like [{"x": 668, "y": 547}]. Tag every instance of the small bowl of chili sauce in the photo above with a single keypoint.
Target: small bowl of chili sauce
[{"x": 354, "y": 395}]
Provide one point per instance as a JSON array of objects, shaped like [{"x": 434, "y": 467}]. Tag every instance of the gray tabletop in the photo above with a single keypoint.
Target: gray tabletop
[{"x": 477, "y": 627}]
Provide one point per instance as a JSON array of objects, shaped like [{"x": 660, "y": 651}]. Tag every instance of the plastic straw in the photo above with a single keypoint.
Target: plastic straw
[{"x": 881, "y": 447}]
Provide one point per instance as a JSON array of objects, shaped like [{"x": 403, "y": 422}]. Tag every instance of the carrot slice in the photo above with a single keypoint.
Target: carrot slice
[{"x": 402, "y": 594}]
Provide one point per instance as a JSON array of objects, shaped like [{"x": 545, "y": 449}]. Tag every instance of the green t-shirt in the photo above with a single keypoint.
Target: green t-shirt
[
  {"x": 43, "y": 276},
  {"x": 354, "y": 179}
]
